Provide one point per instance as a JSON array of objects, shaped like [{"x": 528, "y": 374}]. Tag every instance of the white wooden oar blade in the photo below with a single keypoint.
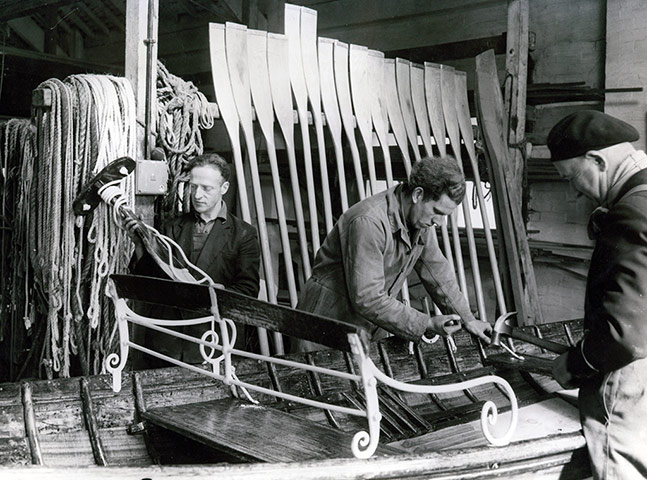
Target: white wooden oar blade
[
  {"x": 434, "y": 105},
  {"x": 420, "y": 106}
]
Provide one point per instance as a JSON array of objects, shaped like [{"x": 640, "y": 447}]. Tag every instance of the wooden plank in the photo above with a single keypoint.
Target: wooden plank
[
  {"x": 91, "y": 423},
  {"x": 515, "y": 126},
  {"x": 30, "y": 425},
  {"x": 255, "y": 432},
  {"x": 239, "y": 308},
  {"x": 490, "y": 107}
]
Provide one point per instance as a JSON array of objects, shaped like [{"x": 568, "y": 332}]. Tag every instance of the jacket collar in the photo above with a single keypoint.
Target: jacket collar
[
  {"x": 638, "y": 178},
  {"x": 397, "y": 219},
  {"x": 222, "y": 213}
]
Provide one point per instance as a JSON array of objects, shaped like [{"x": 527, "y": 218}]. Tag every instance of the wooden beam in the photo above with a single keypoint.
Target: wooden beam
[
  {"x": 514, "y": 126},
  {"x": 117, "y": 22},
  {"x": 10, "y": 9},
  {"x": 93, "y": 16},
  {"x": 50, "y": 38},
  {"x": 137, "y": 38},
  {"x": 77, "y": 21},
  {"x": 451, "y": 50}
]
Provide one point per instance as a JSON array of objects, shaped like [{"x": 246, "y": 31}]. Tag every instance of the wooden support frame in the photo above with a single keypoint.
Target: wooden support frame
[
  {"x": 137, "y": 38},
  {"x": 515, "y": 121}
]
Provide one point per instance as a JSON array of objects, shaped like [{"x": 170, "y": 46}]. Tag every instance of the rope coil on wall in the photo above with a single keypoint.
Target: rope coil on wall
[{"x": 182, "y": 112}]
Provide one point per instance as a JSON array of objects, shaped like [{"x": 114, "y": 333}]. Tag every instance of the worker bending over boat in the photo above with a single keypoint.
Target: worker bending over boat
[
  {"x": 592, "y": 151},
  {"x": 361, "y": 266},
  {"x": 217, "y": 242}
]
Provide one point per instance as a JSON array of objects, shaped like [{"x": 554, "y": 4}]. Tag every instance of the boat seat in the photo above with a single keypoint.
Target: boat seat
[{"x": 256, "y": 432}]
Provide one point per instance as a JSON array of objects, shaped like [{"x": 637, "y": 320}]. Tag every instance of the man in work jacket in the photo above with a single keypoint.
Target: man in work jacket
[
  {"x": 219, "y": 243},
  {"x": 609, "y": 365},
  {"x": 361, "y": 266}
]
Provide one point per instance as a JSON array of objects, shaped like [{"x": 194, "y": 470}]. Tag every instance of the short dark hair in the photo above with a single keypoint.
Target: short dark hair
[
  {"x": 212, "y": 160},
  {"x": 437, "y": 176}
]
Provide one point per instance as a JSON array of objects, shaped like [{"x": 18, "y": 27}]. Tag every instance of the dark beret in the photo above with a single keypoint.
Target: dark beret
[{"x": 579, "y": 132}]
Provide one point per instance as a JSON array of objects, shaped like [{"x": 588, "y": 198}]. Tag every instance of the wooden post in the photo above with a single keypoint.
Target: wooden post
[
  {"x": 137, "y": 38},
  {"x": 515, "y": 90},
  {"x": 515, "y": 120}
]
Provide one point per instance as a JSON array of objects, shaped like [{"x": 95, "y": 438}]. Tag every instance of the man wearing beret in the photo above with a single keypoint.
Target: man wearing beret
[{"x": 593, "y": 152}]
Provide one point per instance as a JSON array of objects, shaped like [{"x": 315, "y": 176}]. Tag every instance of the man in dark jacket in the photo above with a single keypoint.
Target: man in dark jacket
[
  {"x": 361, "y": 266},
  {"x": 213, "y": 239},
  {"x": 609, "y": 365}
]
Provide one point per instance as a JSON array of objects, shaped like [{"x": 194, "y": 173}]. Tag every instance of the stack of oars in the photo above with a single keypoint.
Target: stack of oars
[{"x": 391, "y": 102}]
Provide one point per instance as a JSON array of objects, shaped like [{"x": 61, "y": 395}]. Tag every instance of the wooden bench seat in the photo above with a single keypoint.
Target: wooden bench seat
[{"x": 256, "y": 432}]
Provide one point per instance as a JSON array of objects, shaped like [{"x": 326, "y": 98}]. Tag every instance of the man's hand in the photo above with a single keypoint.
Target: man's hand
[
  {"x": 131, "y": 225},
  {"x": 443, "y": 325},
  {"x": 561, "y": 373},
  {"x": 483, "y": 330}
]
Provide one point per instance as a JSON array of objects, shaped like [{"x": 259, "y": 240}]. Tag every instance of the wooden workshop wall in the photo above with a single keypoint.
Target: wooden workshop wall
[
  {"x": 569, "y": 47},
  {"x": 626, "y": 63}
]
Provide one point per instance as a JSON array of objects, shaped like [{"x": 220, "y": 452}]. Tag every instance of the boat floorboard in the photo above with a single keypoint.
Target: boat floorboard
[
  {"x": 552, "y": 416},
  {"x": 256, "y": 432}
]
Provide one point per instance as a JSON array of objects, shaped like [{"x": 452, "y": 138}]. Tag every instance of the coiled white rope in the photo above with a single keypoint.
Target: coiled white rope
[{"x": 90, "y": 123}]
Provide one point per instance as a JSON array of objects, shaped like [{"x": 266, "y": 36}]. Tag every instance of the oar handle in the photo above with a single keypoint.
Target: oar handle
[{"x": 540, "y": 342}]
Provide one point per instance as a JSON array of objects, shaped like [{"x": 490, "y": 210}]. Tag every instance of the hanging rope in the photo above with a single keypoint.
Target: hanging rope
[
  {"x": 181, "y": 112},
  {"x": 60, "y": 272},
  {"x": 17, "y": 155}
]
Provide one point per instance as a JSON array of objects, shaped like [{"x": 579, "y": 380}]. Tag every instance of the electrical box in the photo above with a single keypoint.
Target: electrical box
[{"x": 151, "y": 177}]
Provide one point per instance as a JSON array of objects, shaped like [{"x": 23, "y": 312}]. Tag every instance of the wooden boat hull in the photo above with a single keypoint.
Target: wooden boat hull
[{"x": 79, "y": 422}]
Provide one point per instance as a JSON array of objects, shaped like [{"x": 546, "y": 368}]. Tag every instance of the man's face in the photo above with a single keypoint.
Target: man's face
[
  {"x": 424, "y": 214},
  {"x": 584, "y": 174},
  {"x": 207, "y": 188}
]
